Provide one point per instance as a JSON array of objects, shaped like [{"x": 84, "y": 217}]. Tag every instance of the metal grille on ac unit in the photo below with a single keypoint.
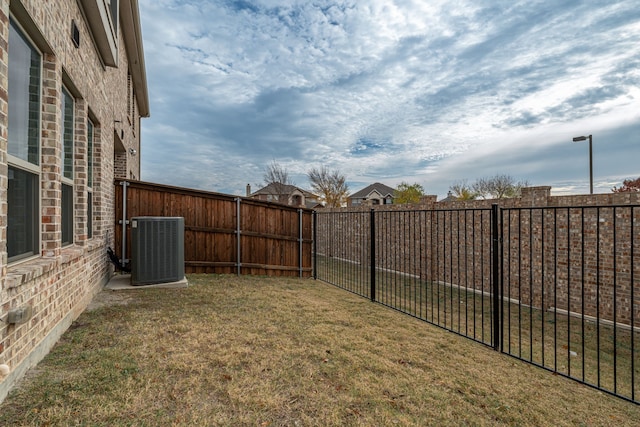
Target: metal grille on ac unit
[{"x": 157, "y": 245}]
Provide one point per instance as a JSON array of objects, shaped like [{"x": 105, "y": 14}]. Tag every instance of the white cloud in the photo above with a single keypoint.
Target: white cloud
[{"x": 385, "y": 90}]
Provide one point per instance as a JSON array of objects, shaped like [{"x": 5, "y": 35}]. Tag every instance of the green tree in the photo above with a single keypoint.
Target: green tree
[
  {"x": 462, "y": 190},
  {"x": 331, "y": 186},
  {"x": 406, "y": 193},
  {"x": 500, "y": 186},
  {"x": 628, "y": 186}
]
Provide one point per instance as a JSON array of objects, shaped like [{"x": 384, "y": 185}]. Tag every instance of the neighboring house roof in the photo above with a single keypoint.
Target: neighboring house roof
[
  {"x": 450, "y": 198},
  {"x": 279, "y": 189},
  {"x": 383, "y": 190},
  {"x": 313, "y": 204},
  {"x": 310, "y": 199}
]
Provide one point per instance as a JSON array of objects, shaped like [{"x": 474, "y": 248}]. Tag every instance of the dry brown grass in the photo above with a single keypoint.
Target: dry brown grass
[
  {"x": 576, "y": 347},
  {"x": 254, "y": 351}
]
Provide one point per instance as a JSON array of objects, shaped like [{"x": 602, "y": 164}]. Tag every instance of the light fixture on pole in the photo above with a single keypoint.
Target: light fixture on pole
[{"x": 584, "y": 138}]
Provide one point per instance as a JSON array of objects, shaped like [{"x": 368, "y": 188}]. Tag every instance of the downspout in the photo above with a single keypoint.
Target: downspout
[{"x": 124, "y": 222}]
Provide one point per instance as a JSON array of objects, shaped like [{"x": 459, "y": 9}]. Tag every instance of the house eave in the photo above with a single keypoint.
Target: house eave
[
  {"x": 132, "y": 32},
  {"x": 102, "y": 30}
]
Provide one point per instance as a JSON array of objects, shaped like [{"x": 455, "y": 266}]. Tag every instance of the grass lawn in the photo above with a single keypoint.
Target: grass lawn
[
  {"x": 256, "y": 351},
  {"x": 577, "y": 347}
]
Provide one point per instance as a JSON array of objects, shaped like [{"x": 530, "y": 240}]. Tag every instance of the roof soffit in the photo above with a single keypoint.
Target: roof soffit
[
  {"x": 132, "y": 32},
  {"x": 102, "y": 29}
]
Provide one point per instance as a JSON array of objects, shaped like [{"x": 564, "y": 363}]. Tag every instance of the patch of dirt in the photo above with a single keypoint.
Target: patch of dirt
[{"x": 108, "y": 297}]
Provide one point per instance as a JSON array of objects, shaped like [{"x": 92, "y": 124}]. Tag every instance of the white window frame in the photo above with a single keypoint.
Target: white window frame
[
  {"x": 65, "y": 181},
  {"x": 14, "y": 162},
  {"x": 90, "y": 174},
  {"x": 114, "y": 12}
]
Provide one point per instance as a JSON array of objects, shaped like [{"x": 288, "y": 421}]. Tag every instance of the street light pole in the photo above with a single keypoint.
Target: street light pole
[{"x": 584, "y": 138}]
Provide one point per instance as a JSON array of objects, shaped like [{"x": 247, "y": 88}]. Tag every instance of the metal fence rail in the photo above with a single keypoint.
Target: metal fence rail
[
  {"x": 433, "y": 265},
  {"x": 569, "y": 300},
  {"x": 342, "y": 250},
  {"x": 552, "y": 286}
]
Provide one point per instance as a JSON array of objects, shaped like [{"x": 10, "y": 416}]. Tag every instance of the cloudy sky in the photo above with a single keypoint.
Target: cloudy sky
[{"x": 420, "y": 91}]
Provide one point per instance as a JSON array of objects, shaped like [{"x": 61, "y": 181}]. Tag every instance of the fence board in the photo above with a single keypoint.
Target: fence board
[{"x": 270, "y": 235}]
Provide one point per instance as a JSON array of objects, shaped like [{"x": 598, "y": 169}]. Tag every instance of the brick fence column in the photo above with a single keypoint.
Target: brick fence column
[
  {"x": 535, "y": 196},
  {"x": 428, "y": 202}
]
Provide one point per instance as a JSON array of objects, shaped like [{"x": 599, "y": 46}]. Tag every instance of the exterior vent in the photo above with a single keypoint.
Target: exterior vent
[
  {"x": 157, "y": 246},
  {"x": 75, "y": 34}
]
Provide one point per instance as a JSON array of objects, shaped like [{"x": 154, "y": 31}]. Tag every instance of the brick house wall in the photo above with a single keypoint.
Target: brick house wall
[
  {"x": 58, "y": 281},
  {"x": 577, "y": 254}
]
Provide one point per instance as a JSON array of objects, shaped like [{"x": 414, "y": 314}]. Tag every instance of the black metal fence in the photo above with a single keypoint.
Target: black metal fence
[{"x": 553, "y": 286}]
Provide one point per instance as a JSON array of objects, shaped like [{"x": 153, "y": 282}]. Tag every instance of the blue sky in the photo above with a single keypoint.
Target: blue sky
[{"x": 420, "y": 91}]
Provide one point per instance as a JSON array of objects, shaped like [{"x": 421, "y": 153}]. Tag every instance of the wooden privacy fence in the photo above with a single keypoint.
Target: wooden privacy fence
[{"x": 223, "y": 234}]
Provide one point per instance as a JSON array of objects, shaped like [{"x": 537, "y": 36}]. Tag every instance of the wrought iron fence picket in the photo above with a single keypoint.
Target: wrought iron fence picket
[{"x": 544, "y": 284}]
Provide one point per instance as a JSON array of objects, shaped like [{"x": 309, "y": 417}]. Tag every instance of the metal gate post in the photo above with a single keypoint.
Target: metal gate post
[
  {"x": 495, "y": 266},
  {"x": 300, "y": 243},
  {"x": 238, "y": 236},
  {"x": 373, "y": 254},
  {"x": 315, "y": 245},
  {"x": 124, "y": 222}
]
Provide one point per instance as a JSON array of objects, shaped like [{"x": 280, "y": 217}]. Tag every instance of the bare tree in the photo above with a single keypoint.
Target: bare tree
[
  {"x": 276, "y": 179},
  {"x": 331, "y": 186},
  {"x": 481, "y": 188},
  {"x": 462, "y": 190},
  {"x": 498, "y": 187}
]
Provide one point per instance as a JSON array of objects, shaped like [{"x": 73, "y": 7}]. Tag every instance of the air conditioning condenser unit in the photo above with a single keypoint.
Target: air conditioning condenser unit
[{"x": 157, "y": 250}]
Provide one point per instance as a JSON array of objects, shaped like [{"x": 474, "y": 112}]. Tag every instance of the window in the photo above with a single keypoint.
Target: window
[
  {"x": 67, "y": 214},
  {"x": 89, "y": 179},
  {"x": 23, "y": 196},
  {"x": 67, "y": 167},
  {"x": 131, "y": 103},
  {"x": 113, "y": 9},
  {"x": 102, "y": 20},
  {"x": 129, "y": 95},
  {"x": 134, "y": 116},
  {"x": 89, "y": 154},
  {"x": 22, "y": 233}
]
